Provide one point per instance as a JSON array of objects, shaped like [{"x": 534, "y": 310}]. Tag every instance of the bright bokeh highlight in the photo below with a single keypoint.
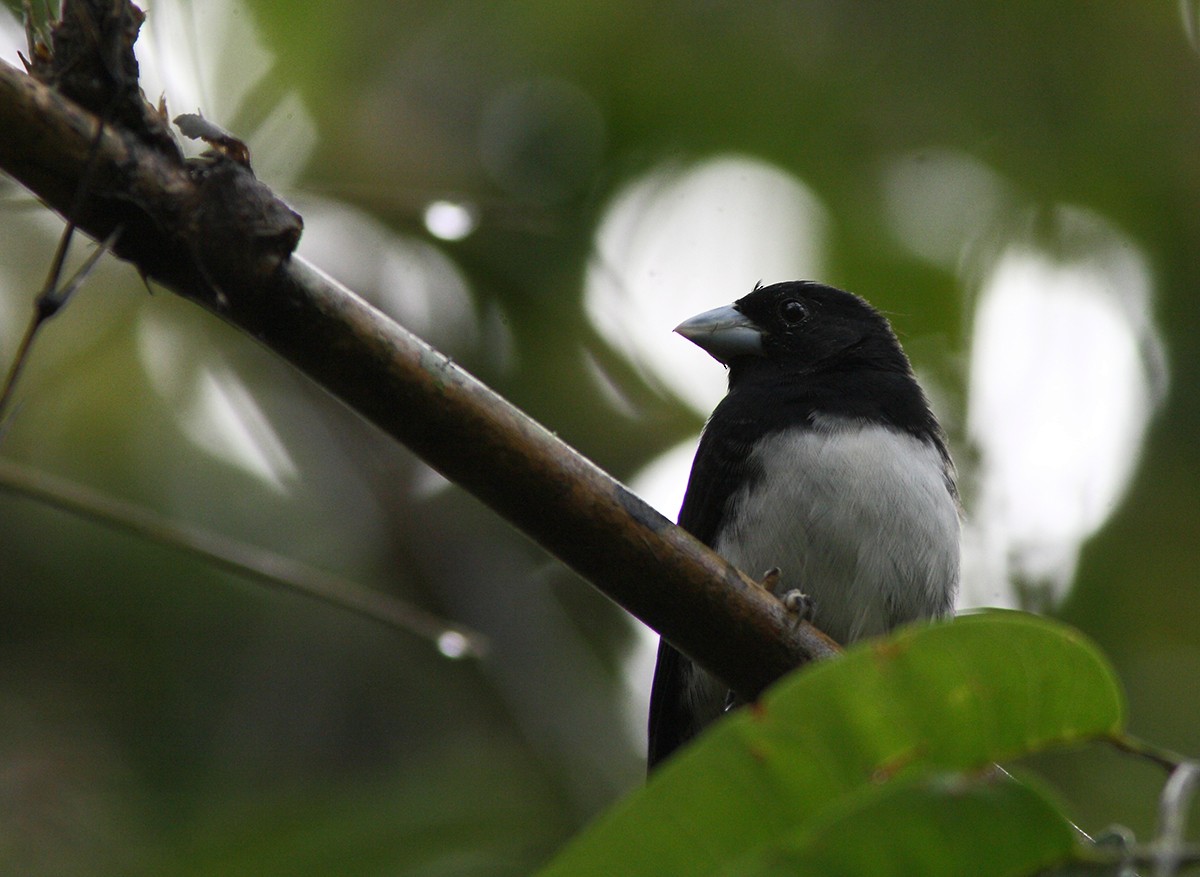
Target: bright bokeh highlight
[
  {"x": 1066, "y": 370},
  {"x": 681, "y": 240}
]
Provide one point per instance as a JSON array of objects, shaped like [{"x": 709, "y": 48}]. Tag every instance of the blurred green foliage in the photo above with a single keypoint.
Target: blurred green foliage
[
  {"x": 159, "y": 717},
  {"x": 840, "y": 770}
]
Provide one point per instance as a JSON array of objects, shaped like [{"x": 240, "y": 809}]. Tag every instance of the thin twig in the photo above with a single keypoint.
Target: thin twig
[
  {"x": 46, "y": 306},
  {"x": 1164, "y": 758},
  {"x": 1145, "y": 856},
  {"x": 241, "y": 559},
  {"x": 1173, "y": 808},
  {"x": 52, "y": 297}
]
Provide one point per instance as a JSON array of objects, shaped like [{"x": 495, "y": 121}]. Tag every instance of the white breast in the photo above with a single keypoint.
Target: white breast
[{"x": 857, "y": 517}]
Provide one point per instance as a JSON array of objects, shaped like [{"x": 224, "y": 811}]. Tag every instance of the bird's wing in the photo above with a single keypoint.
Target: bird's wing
[
  {"x": 722, "y": 465},
  {"x": 671, "y": 723}
]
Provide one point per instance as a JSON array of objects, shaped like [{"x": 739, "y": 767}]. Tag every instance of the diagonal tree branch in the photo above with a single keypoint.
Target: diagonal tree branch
[{"x": 211, "y": 232}]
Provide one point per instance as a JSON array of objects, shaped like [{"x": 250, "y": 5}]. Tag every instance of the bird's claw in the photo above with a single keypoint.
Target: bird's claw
[
  {"x": 770, "y": 579},
  {"x": 799, "y": 604},
  {"x": 794, "y": 600}
]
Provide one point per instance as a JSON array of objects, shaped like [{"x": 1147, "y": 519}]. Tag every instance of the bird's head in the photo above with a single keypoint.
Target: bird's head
[{"x": 799, "y": 325}]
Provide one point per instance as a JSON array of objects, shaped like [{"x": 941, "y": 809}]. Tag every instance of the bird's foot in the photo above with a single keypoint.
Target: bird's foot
[
  {"x": 770, "y": 579},
  {"x": 794, "y": 600},
  {"x": 799, "y": 604}
]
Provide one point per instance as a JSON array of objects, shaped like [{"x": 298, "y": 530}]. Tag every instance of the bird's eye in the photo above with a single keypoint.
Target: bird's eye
[{"x": 792, "y": 311}]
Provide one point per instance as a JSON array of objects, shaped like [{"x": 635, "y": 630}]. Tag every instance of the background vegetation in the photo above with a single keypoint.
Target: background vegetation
[{"x": 619, "y": 166}]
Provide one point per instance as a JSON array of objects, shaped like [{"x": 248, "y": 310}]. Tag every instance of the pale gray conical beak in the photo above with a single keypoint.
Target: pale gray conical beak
[{"x": 724, "y": 333}]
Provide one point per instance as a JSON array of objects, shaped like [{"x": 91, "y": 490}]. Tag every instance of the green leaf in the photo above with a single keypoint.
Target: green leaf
[
  {"x": 944, "y": 825},
  {"x": 946, "y": 697}
]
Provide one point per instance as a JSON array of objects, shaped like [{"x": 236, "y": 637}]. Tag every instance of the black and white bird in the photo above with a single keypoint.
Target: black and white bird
[{"x": 825, "y": 462}]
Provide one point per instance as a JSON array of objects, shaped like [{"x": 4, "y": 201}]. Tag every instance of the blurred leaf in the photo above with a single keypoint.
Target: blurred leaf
[
  {"x": 955, "y": 696},
  {"x": 948, "y": 825}
]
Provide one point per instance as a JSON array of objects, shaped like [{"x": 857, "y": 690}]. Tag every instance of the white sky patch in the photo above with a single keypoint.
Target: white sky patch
[
  {"x": 639, "y": 664},
  {"x": 411, "y": 280},
  {"x": 202, "y": 55},
  {"x": 1066, "y": 367},
  {"x": 206, "y": 56},
  {"x": 679, "y": 241},
  {"x": 1189, "y": 16},
  {"x": 427, "y": 482},
  {"x": 662, "y": 481},
  {"x": 1066, "y": 371},
  {"x": 939, "y": 202},
  {"x": 227, "y": 422},
  {"x": 12, "y": 36},
  {"x": 12, "y": 326},
  {"x": 211, "y": 405}
]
